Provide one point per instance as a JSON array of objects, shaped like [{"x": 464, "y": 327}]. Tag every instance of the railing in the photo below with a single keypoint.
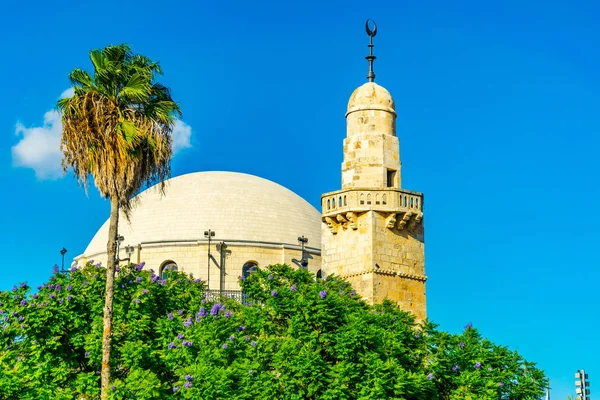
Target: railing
[
  {"x": 366, "y": 199},
  {"x": 237, "y": 295}
]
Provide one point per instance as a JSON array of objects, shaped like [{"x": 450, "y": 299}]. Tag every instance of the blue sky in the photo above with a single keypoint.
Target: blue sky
[{"x": 498, "y": 120}]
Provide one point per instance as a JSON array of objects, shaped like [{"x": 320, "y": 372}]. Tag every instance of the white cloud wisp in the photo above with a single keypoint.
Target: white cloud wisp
[{"x": 39, "y": 146}]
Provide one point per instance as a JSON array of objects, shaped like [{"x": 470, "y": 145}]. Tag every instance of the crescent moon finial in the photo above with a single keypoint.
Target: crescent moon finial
[{"x": 371, "y": 31}]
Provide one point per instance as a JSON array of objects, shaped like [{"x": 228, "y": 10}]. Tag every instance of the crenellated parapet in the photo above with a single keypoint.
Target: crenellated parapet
[{"x": 403, "y": 208}]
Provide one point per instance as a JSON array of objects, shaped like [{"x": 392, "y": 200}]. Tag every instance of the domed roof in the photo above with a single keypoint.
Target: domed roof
[
  {"x": 371, "y": 96},
  {"x": 236, "y": 206}
]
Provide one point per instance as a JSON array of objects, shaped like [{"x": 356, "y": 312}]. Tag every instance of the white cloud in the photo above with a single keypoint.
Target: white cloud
[
  {"x": 67, "y": 93},
  {"x": 39, "y": 146},
  {"x": 182, "y": 133}
]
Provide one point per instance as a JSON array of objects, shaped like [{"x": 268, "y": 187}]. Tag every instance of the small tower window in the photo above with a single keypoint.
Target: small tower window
[
  {"x": 391, "y": 178},
  {"x": 319, "y": 274},
  {"x": 166, "y": 268}
]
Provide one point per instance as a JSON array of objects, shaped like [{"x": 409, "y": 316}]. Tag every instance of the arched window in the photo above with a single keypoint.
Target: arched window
[
  {"x": 249, "y": 268},
  {"x": 166, "y": 268},
  {"x": 319, "y": 274}
]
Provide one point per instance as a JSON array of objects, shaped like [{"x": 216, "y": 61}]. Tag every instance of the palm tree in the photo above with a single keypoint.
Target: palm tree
[{"x": 117, "y": 128}]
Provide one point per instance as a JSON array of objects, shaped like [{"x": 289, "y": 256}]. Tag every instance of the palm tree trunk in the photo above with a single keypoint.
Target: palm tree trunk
[{"x": 108, "y": 301}]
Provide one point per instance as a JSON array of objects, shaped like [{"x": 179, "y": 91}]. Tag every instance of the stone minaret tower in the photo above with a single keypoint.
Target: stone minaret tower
[{"x": 372, "y": 228}]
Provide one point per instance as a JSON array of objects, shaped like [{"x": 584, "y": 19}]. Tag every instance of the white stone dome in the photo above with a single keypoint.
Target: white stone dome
[{"x": 236, "y": 206}]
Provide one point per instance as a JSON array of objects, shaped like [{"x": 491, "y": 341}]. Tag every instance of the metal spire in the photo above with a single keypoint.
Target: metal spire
[{"x": 371, "y": 32}]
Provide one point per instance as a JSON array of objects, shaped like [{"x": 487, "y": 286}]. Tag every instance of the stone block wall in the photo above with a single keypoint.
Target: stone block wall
[{"x": 192, "y": 258}]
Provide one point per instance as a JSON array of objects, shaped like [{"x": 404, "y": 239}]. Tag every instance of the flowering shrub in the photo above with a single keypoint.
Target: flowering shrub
[{"x": 298, "y": 339}]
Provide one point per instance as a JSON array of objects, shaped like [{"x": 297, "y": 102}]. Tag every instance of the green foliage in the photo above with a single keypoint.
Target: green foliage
[{"x": 298, "y": 339}]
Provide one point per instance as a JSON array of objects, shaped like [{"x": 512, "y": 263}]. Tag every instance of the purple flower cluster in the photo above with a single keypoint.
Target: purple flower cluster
[
  {"x": 23, "y": 302},
  {"x": 180, "y": 312},
  {"x": 175, "y": 389},
  {"x": 138, "y": 267},
  {"x": 253, "y": 344},
  {"x": 477, "y": 365},
  {"x": 202, "y": 312},
  {"x": 225, "y": 345},
  {"x": 353, "y": 294},
  {"x": 323, "y": 294},
  {"x": 468, "y": 326},
  {"x": 74, "y": 269},
  {"x": 180, "y": 336},
  {"x": 227, "y": 314},
  {"x": 455, "y": 367},
  {"x": 188, "y": 385},
  {"x": 69, "y": 298},
  {"x": 430, "y": 376},
  {"x": 57, "y": 288},
  {"x": 293, "y": 288},
  {"x": 21, "y": 318},
  {"x": 241, "y": 328},
  {"x": 145, "y": 291},
  {"x": 232, "y": 338},
  {"x": 270, "y": 277},
  {"x": 154, "y": 278},
  {"x": 215, "y": 309},
  {"x": 274, "y": 293},
  {"x": 461, "y": 345},
  {"x": 69, "y": 287},
  {"x": 170, "y": 316},
  {"x": 55, "y": 269},
  {"x": 87, "y": 354},
  {"x": 501, "y": 384},
  {"x": 23, "y": 285},
  {"x": 188, "y": 322},
  {"x": 139, "y": 279},
  {"x": 171, "y": 345},
  {"x": 136, "y": 300},
  {"x": 187, "y": 343}
]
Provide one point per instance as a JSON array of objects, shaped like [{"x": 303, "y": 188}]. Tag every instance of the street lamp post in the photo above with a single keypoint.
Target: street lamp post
[
  {"x": 62, "y": 253},
  {"x": 222, "y": 249},
  {"x": 303, "y": 263},
  {"x": 209, "y": 234}
]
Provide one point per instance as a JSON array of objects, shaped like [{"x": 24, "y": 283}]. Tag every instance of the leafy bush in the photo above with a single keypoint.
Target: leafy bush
[{"x": 299, "y": 339}]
